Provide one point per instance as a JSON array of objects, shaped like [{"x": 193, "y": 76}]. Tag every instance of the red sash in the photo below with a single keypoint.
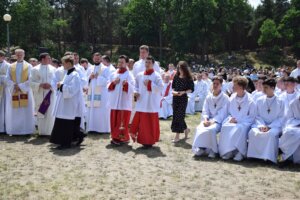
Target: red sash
[{"x": 166, "y": 93}]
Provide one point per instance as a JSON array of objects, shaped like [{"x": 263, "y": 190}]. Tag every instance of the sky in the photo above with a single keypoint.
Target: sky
[{"x": 254, "y": 3}]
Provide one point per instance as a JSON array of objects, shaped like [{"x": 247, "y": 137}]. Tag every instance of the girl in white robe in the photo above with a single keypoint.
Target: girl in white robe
[
  {"x": 289, "y": 143},
  {"x": 264, "y": 135},
  {"x": 235, "y": 128},
  {"x": 213, "y": 114}
]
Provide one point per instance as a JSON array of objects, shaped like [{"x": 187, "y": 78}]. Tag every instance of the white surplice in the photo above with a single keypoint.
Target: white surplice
[
  {"x": 119, "y": 99},
  {"x": 214, "y": 109},
  {"x": 148, "y": 102},
  {"x": 264, "y": 145},
  {"x": 190, "y": 108},
  {"x": 166, "y": 109},
  {"x": 98, "y": 118},
  {"x": 19, "y": 121},
  {"x": 43, "y": 74},
  {"x": 201, "y": 91},
  {"x": 68, "y": 104},
  {"x": 255, "y": 95},
  {"x": 3, "y": 71},
  {"x": 289, "y": 142},
  {"x": 139, "y": 66},
  {"x": 233, "y": 136}
]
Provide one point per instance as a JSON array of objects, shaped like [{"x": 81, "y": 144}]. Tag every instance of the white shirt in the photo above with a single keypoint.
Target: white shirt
[{"x": 295, "y": 73}]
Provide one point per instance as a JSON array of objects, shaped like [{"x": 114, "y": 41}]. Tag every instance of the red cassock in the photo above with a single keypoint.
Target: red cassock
[
  {"x": 119, "y": 120},
  {"x": 145, "y": 128}
]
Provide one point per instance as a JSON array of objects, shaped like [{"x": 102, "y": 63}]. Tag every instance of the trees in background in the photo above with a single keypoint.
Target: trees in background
[{"x": 194, "y": 27}]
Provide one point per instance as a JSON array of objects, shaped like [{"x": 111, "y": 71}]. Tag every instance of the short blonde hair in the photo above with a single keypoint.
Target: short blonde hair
[
  {"x": 241, "y": 81},
  {"x": 68, "y": 59}
]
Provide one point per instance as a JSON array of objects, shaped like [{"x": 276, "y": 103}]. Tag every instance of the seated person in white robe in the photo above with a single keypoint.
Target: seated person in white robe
[
  {"x": 290, "y": 94},
  {"x": 264, "y": 135},
  {"x": 166, "y": 109},
  {"x": 190, "y": 108},
  {"x": 213, "y": 114},
  {"x": 289, "y": 142},
  {"x": 280, "y": 88},
  {"x": 235, "y": 128},
  {"x": 201, "y": 91},
  {"x": 258, "y": 92}
]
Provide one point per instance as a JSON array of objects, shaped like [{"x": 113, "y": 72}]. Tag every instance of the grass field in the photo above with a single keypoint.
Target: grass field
[{"x": 30, "y": 169}]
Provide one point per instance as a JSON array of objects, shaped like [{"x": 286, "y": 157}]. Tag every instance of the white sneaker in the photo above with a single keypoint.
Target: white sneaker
[
  {"x": 227, "y": 156},
  {"x": 200, "y": 152},
  {"x": 238, "y": 157},
  {"x": 212, "y": 154}
]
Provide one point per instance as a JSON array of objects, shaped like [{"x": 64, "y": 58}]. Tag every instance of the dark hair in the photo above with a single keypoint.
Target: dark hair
[
  {"x": 151, "y": 58},
  {"x": 84, "y": 60},
  {"x": 185, "y": 68},
  {"x": 270, "y": 82},
  {"x": 43, "y": 55},
  {"x": 298, "y": 79},
  {"x": 2, "y": 53},
  {"x": 124, "y": 57},
  {"x": 55, "y": 61},
  {"x": 106, "y": 58},
  {"x": 219, "y": 78},
  {"x": 290, "y": 79},
  {"x": 96, "y": 54},
  {"x": 262, "y": 77},
  {"x": 145, "y": 47},
  {"x": 67, "y": 53}
]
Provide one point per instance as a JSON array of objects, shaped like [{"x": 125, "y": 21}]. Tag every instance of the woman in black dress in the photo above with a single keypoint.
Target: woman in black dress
[{"x": 182, "y": 85}]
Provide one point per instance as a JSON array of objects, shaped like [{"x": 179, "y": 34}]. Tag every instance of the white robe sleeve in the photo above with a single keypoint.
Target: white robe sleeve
[
  {"x": 292, "y": 121},
  {"x": 34, "y": 80},
  {"x": 131, "y": 83},
  {"x": 72, "y": 88},
  {"x": 157, "y": 85},
  {"x": 205, "y": 110}
]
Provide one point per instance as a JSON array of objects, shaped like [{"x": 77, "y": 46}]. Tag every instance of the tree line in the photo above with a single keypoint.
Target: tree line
[{"x": 174, "y": 28}]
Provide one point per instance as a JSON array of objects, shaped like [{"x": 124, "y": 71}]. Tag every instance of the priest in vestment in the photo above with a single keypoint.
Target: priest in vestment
[
  {"x": 3, "y": 71},
  {"x": 98, "y": 110},
  {"x": 145, "y": 124},
  {"x": 44, "y": 93},
  {"x": 235, "y": 128},
  {"x": 213, "y": 114},
  {"x": 121, "y": 88},
  {"x": 289, "y": 142},
  {"x": 166, "y": 109},
  {"x": 264, "y": 135},
  {"x": 19, "y": 109}
]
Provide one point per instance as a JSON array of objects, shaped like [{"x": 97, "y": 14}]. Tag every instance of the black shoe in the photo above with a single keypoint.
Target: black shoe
[
  {"x": 80, "y": 140},
  {"x": 115, "y": 143},
  {"x": 63, "y": 147},
  {"x": 147, "y": 146}
]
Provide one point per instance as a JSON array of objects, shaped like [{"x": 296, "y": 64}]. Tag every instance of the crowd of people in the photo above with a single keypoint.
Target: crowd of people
[{"x": 251, "y": 113}]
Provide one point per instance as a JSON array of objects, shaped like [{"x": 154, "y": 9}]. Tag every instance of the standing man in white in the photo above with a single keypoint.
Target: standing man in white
[
  {"x": 19, "y": 115},
  {"x": 44, "y": 93},
  {"x": 3, "y": 70}
]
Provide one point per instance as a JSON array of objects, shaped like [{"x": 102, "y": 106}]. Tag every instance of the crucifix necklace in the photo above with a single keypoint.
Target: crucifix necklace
[
  {"x": 239, "y": 103},
  {"x": 215, "y": 102},
  {"x": 269, "y": 106}
]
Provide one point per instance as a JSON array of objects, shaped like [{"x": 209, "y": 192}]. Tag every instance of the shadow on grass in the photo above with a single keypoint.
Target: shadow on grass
[
  {"x": 14, "y": 138},
  {"x": 38, "y": 140},
  {"x": 183, "y": 144},
  {"x": 153, "y": 152},
  {"x": 66, "y": 152},
  {"x": 98, "y": 136},
  {"x": 125, "y": 148},
  {"x": 252, "y": 163}
]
